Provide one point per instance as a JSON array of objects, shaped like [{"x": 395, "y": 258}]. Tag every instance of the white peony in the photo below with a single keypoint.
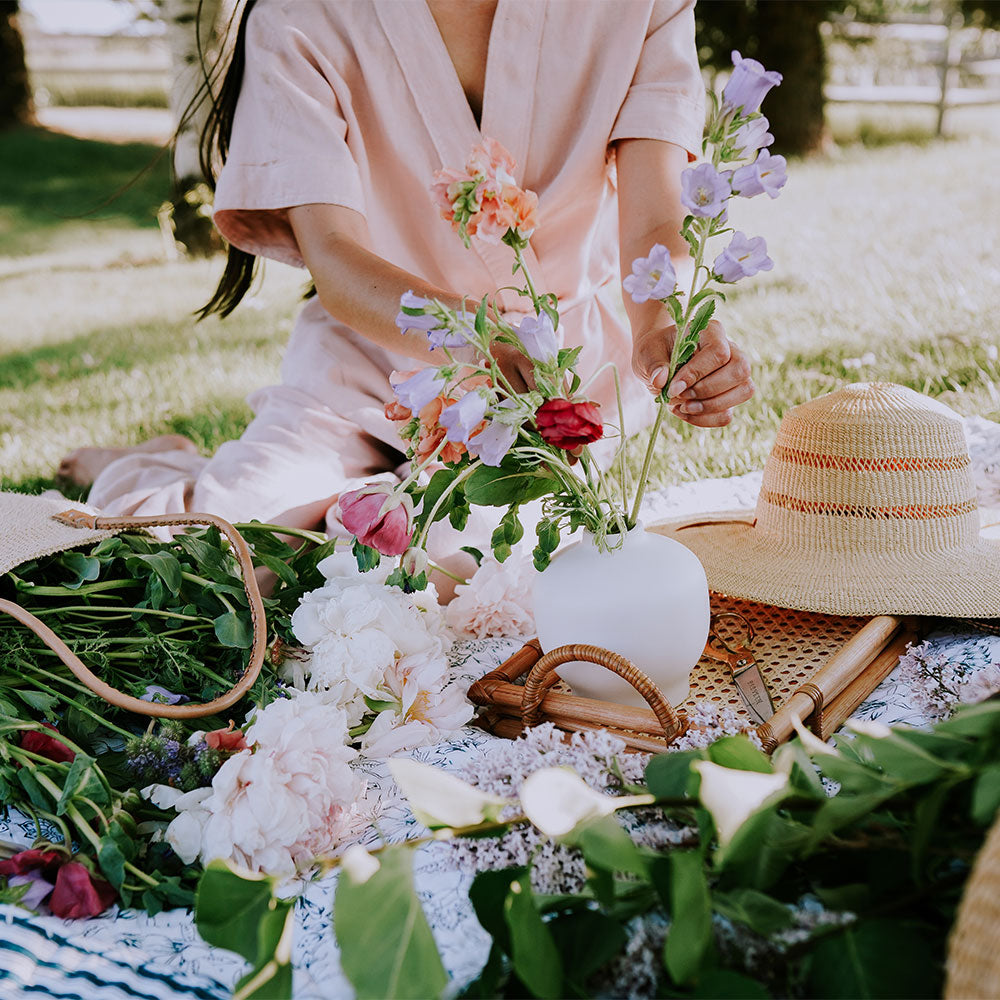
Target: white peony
[
  {"x": 290, "y": 797},
  {"x": 497, "y": 601}
]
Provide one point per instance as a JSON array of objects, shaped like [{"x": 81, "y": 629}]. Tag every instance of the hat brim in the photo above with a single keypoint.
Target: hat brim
[{"x": 740, "y": 562}]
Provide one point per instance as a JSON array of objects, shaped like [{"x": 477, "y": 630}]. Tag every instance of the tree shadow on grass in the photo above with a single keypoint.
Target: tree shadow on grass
[{"x": 48, "y": 179}]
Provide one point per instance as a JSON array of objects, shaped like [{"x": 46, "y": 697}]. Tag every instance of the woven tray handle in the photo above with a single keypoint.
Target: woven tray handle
[
  {"x": 542, "y": 677},
  {"x": 112, "y": 695}
]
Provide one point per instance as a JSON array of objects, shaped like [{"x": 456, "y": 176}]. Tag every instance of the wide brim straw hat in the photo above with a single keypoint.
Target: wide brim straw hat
[{"x": 867, "y": 507}]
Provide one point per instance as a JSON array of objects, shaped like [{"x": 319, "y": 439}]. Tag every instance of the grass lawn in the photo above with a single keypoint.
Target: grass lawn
[{"x": 887, "y": 266}]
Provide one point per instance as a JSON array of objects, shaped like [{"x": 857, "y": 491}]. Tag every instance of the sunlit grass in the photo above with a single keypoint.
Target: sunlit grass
[{"x": 887, "y": 266}]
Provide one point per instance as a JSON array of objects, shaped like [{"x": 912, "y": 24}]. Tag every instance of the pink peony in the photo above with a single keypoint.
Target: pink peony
[
  {"x": 497, "y": 601},
  {"x": 379, "y": 517}
]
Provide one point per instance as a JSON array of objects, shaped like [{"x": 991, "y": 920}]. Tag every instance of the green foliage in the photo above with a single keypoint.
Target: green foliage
[{"x": 386, "y": 945}]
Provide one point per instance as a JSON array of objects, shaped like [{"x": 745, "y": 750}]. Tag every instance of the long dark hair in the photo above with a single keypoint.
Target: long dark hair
[{"x": 241, "y": 267}]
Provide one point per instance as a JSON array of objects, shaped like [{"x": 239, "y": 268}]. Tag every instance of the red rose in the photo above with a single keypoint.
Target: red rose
[
  {"x": 23, "y": 862},
  {"x": 45, "y": 746},
  {"x": 569, "y": 425},
  {"x": 227, "y": 739},
  {"x": 80, "y": 894}
]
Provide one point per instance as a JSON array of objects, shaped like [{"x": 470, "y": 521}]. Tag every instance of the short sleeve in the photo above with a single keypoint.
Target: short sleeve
[
  {"x": 666, "y": 99},
  {"x": 289, "y": 139}
]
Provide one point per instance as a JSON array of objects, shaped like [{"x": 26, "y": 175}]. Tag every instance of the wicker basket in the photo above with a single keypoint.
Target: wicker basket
[{"x": 818, "y": 668}]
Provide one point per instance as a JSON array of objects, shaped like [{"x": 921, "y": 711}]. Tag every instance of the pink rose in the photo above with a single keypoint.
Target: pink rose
[
  {"x": 46, "y": 746},
  {"x": 79, "y": 894},
  {"x": 378, "y": 517},
  {"x": 228, "y": 739},
  {"x": 568, "y": 425}
]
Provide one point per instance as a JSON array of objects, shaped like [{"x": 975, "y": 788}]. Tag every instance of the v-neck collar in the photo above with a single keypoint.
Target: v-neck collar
[{"x": 512, "y": 61}]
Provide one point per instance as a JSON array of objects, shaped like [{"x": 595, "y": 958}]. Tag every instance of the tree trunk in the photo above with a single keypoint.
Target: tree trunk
[
  {"x": 789, "y": 41},
  {"x": 15, "y": 92}
]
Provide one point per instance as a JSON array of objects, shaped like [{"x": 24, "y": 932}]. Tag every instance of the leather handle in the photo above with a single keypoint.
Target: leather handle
[{"x": 241, "y": 550}]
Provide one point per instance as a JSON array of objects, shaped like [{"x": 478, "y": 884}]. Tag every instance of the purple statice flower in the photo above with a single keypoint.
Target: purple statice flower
[
  {"x": 751, "y": 136},
  {"x": 539, "y": 337},
  {"x": 418, "y": 390},
  {"x": 765, "y": 175},
  {"x": 464, "y": 416},
  {"x": 493, "y": 442},
  {"x": 748, "y": 86},
  {"x": 652, "y": 277},
  {"x": 39, "y": 891},
  {"x": 172, "y": 762},
  {"x": 704, "y": 190},
  {"x": 161, "y": 695},
  {"x": 743, "y": 258}
]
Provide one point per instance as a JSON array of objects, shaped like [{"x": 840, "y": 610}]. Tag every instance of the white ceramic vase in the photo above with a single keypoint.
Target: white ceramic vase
[{"x": 647, "y": 600}]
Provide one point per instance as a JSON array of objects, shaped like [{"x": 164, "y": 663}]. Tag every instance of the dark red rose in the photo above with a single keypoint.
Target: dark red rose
[
  {"x": 79, "y": 894},
  {"x": 25, "y": 861},
  {"x": 46, "y": 746},
  {"x": 569, "y": 425}
]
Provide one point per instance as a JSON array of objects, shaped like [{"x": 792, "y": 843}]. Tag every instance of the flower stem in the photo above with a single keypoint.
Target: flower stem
[
  {"x": 446, "y": 572},
  {"x": 464, "y": 474}
]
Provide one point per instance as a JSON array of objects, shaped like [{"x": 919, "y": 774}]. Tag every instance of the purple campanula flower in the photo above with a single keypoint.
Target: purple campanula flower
[
  {"x": 751, "y": 136},
  {"x": 704, "y": 190},
  {"x": 463, "y": 417},
  {"x": 748, "y": 85},
  {"x": 456, "y": 333},
  {"x": 418, "y": 319},
  {"x": 742, "y": 258},
  {"x": 161, "y": 695},
  {"x": 40, "y": 889},
  {"x": 652, "y": 277},
  {"x": 418, "y": 390},
  {"x": 493, "y": 442},
  {"x": 539, "y": 337},
  {"x": 765, "y": 174}
]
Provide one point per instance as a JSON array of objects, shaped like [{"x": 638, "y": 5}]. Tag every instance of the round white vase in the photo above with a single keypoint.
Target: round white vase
[{"x": 647, "y": 600}]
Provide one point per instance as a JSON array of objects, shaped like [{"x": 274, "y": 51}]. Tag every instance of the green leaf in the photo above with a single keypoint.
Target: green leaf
[
  {"x": 974, "y": 721},
  {"x": 508, "y": 484},
  {"x": 164, "y": 564},
  {"x": 480, "y": 323},
  {"x": 474, "y": 552},
  {"x": 568, "y": 356},
  {"x": 440, "y": 481},
  {"x": 386, "y": 946},
  {"x": 844, "y": 809},
  {"x": 533, "y": 952},
  {"x": 762, "y": 849},
  {"x": 902, "y": 759},
  {"x": 367, "y": 557},
  {"x": 81, "y": 780},
  {"x": 690, "y": 934},
  {"x": 85, "y": 568},
  {"x": 875, "y": 958},
  {"x": 112, "y": 862},
  {"x": 488, "y": 893},
  {"x": 669, "y": 775},
  {"x": 701, "y": 318},
  {"x": 585, "y": 940},
  {"x": 38, "y": 700},
  {"x": 548, "y": 535},
  {"x": 740, "y": 754},
  {"x": 279, "y": 568},
  {"x": 458, "y": 516},
  {"x": 36, "y": 794},
  {"x": 673, "y": 304},
  {"x": 986, "y": 795},
  {"x": 234, "y": 630},
  {"x": 540, "y": 558},
  {"x": 725, "y": 984},
  {"x": 760, "y": 912},
  {"x": 606, "y": 845}
]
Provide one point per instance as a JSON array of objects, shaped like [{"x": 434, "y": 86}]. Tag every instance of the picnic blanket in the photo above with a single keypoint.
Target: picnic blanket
[{"x": 128, "y": 954}]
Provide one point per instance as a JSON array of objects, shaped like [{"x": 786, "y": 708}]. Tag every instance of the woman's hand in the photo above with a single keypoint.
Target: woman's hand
[{"x": 705, "y": 390}]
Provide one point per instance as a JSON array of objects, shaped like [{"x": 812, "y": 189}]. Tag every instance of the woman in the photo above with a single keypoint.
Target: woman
[{"x": 344, "y": 111}]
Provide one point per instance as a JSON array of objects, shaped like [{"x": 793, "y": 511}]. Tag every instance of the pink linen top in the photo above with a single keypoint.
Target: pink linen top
[{"x": 356, "y": 103}]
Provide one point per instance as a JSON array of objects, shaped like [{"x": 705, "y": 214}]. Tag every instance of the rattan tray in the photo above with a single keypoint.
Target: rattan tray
[{"x": 819, "y": 668}]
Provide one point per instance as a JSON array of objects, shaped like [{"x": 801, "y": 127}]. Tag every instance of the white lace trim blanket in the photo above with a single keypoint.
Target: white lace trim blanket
[{"x": 131, "y": 954}]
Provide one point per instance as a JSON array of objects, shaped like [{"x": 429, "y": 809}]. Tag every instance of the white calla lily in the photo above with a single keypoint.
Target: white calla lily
[
  {"x": 439, "y": 799},
  {"x": 359, "y": 864},
  {"x": 733, "y": 796},
  {"x": 868, "y": 727},
  {"x": 813, "y": 745},
  {"x": 557, "y": 800}
]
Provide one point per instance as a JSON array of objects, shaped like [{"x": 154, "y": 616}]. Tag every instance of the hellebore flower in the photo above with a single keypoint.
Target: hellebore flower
[
  {"x": 47, "y": 746},
  {"x": 568, "y": 425},
  {"x": 538, "y": 336},
  {"x": 652, "y": 277},
  {"x": 417, "y": 389},
  {"x": 765, "y": 175},
  {"x": 378, "y": 517},
  {"x": 743, "y": 258},
  {"x": 462, "y": 418},
  {"x": 748, "y": 86},
  {"x": 751, "y": 136},
  {"x": 704, "y": 190}
]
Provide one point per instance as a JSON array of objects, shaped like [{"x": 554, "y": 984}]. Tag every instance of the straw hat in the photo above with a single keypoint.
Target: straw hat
[{"x": 867, "y": 507}]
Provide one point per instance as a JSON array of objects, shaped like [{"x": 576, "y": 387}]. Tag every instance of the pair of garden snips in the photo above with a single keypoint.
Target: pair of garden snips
[{"x": 743, "y": 664}]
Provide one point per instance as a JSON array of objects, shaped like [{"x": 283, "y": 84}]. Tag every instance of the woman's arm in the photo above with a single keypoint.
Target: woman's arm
[{"x": 717, "y": 378}]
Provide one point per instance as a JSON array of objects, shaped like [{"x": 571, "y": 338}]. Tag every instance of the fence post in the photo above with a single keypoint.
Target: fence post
[{"x": 951, "y": 58}]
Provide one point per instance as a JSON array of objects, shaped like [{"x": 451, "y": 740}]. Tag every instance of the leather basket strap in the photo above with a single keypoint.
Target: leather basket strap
[{"x": 112, "y": 695}]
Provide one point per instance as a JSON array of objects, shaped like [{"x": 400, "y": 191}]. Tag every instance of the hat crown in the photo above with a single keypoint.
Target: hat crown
[{"x": 871, "y": 465}]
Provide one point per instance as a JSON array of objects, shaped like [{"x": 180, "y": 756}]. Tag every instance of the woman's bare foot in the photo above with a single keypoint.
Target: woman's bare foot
[{"x": 82, "y": 467}]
